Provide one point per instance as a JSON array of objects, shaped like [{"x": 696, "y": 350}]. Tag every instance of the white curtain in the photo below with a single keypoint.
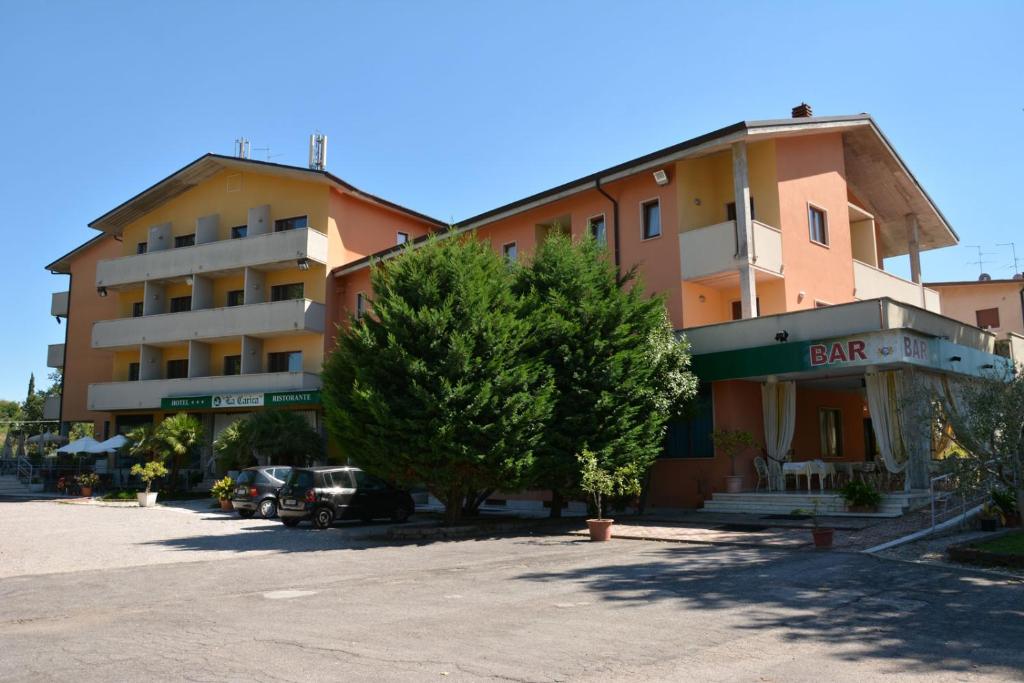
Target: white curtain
[
  {"x": 883, "y": 391},
  {"x": 778, "y": 405}
]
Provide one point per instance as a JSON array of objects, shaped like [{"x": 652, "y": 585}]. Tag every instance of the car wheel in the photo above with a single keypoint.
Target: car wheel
[
  {"x": 246, "y": 514},
  {"x": 323, "y": 518},
  {"x": 290, "y": 521},
  {"x": 268, "y": 508},
  {"x": 400, "y": 514}
]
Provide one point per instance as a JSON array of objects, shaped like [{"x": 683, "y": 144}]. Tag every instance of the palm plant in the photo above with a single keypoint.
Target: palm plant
[
  {"x": 144, "y": 443},
  {"x": 179, "y": 435}
]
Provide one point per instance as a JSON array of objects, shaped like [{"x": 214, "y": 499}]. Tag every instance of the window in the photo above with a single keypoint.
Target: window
[
  {"x": 236, "y": 297},
  {"x": 293, "y": 223},
  {"x": 598, "y": 230},
  {"x": 403, "y": 237},
  {"x": 360, "y": 305},
  {"x": 284, "y": 361},
  {"x": 339, "y": 479},
  {"x": 730, "y": 211},
  {"x": 184, "y": 241},
  {"x": 691, "y": 437},
  {"x": 239, "y": 231},
  {"x": 988, "y": 318},
  {"x": 830, "y": 426},
  {"x": 292, "y": 290},
  {"x": 366, "y": 482},
  {"x": 137, "y": 309},
  {"x": 510, "y": 252},
  {"x": 737, "y": 308},
  {"x": 818, "y": 223},
  {"x": 133, "y": 372},
  {"x": 177, "y": 369},
  {"x": 180, "y": 304},
  {"x": 651, "y": 214},
  {"x": 141, "y": 247},
  {"x": 232, "y": 365}
]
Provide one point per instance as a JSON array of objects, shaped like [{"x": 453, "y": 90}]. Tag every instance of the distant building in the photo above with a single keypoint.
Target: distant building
[{"x": 994, "y": 305}]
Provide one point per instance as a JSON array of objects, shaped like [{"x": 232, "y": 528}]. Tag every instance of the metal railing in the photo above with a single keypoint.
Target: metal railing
[
  {"x": 25, "y": 470},
  {"x": 950, "y": 490}
]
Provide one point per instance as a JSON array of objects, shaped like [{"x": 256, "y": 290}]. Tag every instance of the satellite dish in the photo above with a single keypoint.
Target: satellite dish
[
  {"x": 984, "y": 277},
  {"x": 1018, "y": 276}
]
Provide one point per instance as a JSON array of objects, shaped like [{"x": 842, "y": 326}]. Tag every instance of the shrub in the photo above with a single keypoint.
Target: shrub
[
  {"x": 88, "y": 480},
  {"x": 1006, "y": 500},
  {"x": 223, "y": 488},
  {"x": 148, "y": 472},
  {"x": 861, "y": 494},
  {"x": 601, "y": 483}
]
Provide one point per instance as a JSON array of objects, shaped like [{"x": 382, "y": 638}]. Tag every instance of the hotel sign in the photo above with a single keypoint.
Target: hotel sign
[{"x": 277, "y": 399}]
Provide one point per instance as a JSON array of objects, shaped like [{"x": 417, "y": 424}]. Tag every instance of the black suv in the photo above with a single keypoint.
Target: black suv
[
  {"x": 256, "y": 490},
  {"x": 325, "y": 494}
]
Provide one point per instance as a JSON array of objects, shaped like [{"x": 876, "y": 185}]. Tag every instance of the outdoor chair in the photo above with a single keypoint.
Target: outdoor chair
[{"x": 761, "y": 469}]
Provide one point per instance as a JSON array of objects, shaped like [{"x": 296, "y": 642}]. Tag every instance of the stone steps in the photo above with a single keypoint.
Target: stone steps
[{"x": 831, "y": 504}]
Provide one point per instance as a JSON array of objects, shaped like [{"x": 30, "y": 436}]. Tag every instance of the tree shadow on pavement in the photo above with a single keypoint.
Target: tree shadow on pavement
[{"x": 920, "y": 618}]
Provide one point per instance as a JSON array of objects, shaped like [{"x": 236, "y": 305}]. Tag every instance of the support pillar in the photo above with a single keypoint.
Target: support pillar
[
  {"x": 744, "y": 230},
  {"x": 914, "y": 251}
]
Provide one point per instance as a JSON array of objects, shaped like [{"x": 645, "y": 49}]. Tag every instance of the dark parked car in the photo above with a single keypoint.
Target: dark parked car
[
  {"x": 325, "y": 494},
  {"x": 256, "y": 490}
]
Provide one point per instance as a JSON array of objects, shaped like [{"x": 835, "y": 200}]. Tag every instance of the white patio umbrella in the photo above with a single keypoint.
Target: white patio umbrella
[
  {"x": 46, "y": 438},
  {"x": 82, "y": 445},
  {"x": 111, "y": 445}
]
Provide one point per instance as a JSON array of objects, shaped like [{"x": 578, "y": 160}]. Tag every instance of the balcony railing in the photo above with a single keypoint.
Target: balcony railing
[
  {"x": 278, "y": 317},
  {"x": 711, "y": 250},
  {"x": 55, "y": 356},
  {"x": 59, "y": 304},
  {"x": 873, "y": 283},
  {"x": 147, "y": 394},
  {"x": 214, "y": 257}
]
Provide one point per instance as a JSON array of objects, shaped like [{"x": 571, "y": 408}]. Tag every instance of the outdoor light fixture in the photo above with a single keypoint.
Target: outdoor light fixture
[
  {"x": 661, "y": 177},
  {"x": 102, "y": 291},
  {"x": 955, "y": 359},
  {"x": 58, "y": 320},
  {"x": 189, "y": 281},
  {"x": 782, "y": 337},
  {"x": 303, "y": 263},
  {"x": 988, "y": 366}
]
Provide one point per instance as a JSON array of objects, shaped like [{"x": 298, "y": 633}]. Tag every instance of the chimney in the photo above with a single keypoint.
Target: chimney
[{"x": 802, "y": 111}]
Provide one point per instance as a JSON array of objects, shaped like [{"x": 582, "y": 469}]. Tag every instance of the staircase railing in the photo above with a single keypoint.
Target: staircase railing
[{"x": 25, "y": 470}]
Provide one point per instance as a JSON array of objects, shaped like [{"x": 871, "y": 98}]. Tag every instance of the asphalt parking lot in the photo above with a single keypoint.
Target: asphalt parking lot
[{"x": 172, "y": 594}]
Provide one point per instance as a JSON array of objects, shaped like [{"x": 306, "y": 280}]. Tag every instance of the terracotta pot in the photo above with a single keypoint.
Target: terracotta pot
[
  {"x": 734, "y": 483},
  {"x": 823, "y": 537},
  {"x": 600, "y": 529},
  {"x": 86, "y": 491},
  {"x": 226, "y": 505}
]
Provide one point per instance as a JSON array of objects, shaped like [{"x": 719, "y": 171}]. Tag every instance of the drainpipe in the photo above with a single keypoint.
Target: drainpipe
[
  {"x": 615, "y": 219},
  {"x": 64, "y": 361}
]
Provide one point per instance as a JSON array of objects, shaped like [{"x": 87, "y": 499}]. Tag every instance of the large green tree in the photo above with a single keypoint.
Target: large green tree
[
  {"x": 433, "y": 386},
  {"x": 620, "y": 372}
]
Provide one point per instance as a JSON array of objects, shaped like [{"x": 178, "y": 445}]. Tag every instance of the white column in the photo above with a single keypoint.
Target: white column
[
  {"x": 153, "y": 298},
  {"x": 254, "y": 286},
  {"x": 914, "y": 251},
  {"x": 744, "y": 230},
  {"x": 198, "y": 359}
]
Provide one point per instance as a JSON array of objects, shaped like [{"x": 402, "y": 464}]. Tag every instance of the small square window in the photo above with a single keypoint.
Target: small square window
[
  {"x": 510, "y": 251},
  {"x": 737, "y": 308},
  {"x": 236, "y": 297},
  {"x": 598, "y": 230},
  {"x": 184, "y": 241},
  {"x": 177, "y": 369},
  {"x": 180, "y": 304},
  {"x": 284, "y": 361},
  {"x": 133, "y": 372},
  {"x": 293, "y": 223},
  {"x": 403, "y": 237},
  {"x": 293, "y": 290},
  {"x": 830, "y": 423},
  {"x": 651, "y": 212},
  {"x": 239, "y": 231},
  {"x": 137, "y": 309},
  {"x": 818, "y": 225},
  {"x": 360, "y": 305},
  {"x": 141, "y": 247},
  {"x": 232, "y": 365},
  {"x": 988, "y": 318}
]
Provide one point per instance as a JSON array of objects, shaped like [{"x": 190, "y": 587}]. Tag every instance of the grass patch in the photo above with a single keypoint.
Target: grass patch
[
  {"x": 120, "y": 495},
  {"x": 1010, "y": 544}
]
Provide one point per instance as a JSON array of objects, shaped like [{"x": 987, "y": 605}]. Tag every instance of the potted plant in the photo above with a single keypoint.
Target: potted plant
[
  {"x": 822, "y": 535},
  {"x": 1006, "y": 501},
  {"x": 990, "y": 516},
  {"x": 222, "y": 490},
  {"x": 87, "y": 482},
  {"x": 599, "y": 483},
  {"x": 147, "y": 473},
  {"x": 732, "y": 442},
  {"x": 861, "y": 496}
]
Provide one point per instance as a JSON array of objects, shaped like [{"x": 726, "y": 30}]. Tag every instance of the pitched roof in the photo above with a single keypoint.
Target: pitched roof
[{"x": 63, "y": 264}]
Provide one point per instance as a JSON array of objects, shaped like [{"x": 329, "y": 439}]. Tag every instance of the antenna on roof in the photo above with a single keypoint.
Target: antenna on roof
[
  {"x": 318, "y": 151},
  {"x": 267, "y": 150},
  {"x": 1013, "y": 252},
  {"x": 981, "y": 258},
  {"x": 242, "y": 148}
]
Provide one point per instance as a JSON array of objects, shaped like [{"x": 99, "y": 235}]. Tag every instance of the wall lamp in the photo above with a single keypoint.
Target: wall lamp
[
  {"x": 988, "y": 366},
  {"x": 102, "y": 291},
  {"x": 782, "y": 337},
  {"x": 955, "y": 359},
  {"x": 303, "y": 263},
  {"x": 661, "y": 177},
  {"x": 58, "y": 319},
  {"x": 190, "y": 281}
]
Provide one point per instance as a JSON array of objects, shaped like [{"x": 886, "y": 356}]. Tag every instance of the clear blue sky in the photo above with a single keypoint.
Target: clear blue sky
[{"x": 453, "y": 108}]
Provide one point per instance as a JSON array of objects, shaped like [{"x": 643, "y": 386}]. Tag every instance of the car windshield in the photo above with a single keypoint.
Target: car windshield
[
  {"x": 246, "y": 477},
  {"x": 301, "y": 479}
]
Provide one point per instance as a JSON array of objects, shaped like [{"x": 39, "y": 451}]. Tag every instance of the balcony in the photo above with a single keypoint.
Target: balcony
[
  {"x": 51, "y": 407},
  {"x": 59, "y": 304},
  {"x": 146, "y": 394},
  {"x": 55, "y": 356},
  {"x": 276, "y": 249},
  {"x": 708, "y": 253},
  {"x": 872, "y": 283},
  {"x": 254, "y": 320}
]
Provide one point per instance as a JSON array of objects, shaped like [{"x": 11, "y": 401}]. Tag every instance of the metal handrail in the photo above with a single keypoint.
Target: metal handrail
[{"x": 25, "y": 470}]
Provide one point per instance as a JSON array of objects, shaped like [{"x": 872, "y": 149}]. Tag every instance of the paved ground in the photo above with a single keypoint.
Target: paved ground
[{"x": 185, "y": 598}]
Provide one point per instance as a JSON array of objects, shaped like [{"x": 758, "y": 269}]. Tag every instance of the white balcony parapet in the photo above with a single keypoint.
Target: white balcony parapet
[
  {"x": 59, "y": 304},
  {"x": 277, "y": 317},
  {"x": 711, "y": 250},
  {"x": 147, "y": 394},
  {"x": 873, "y": 283},
  {"x": 55, "y": 356},
  {"x": 213, "y": 257},
  {"x": 51, "y": 407}
]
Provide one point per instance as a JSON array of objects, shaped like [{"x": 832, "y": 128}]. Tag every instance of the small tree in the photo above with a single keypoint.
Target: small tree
[
  {"x": 148, "y": 472},
  {"x": 280, "y": 437},
  {"x": 172, "y": 439},
  {"x": 600, "y": 483},
  {"x": 732, "y": 442}
]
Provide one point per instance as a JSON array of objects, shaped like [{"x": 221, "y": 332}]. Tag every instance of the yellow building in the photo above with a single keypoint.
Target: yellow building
[{"x": 993, "y": 305}]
